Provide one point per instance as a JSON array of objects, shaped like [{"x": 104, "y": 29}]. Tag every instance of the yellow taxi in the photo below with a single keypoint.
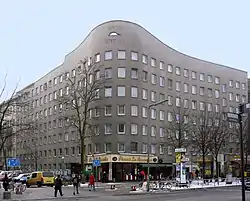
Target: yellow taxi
[{"x": 41, "y": 179}]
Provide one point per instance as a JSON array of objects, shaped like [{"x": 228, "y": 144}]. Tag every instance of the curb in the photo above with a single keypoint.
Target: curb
[
  {"x": 174, "y": 191},
  {"x": 53, "y": 198}
]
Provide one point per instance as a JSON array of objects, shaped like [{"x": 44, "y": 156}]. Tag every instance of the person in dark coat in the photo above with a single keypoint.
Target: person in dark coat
[
  {"x": 6, "y": 182},
  {"x": 76, "y": 182},
  {"x": 58, "y": 185}
]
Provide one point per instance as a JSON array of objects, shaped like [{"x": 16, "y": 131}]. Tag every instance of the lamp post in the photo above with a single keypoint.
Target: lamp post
[{"x": 149, "y": 116}]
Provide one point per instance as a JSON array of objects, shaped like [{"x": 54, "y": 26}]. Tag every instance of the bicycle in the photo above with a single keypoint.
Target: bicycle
[{"x": 20, "y": 188}]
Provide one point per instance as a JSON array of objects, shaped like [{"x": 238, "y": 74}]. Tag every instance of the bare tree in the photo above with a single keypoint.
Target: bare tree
[
  {"x": 219, "y": 132},
  {"x": 82, "y": 91},
  {"x": 201, "y": 136},
  {"x": 178, "y": 130}
]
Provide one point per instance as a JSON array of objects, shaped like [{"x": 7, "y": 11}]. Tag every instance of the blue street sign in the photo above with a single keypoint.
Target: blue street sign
[
  {"x": 96, "y": 163},
  {"x": 13, "y": 162}
]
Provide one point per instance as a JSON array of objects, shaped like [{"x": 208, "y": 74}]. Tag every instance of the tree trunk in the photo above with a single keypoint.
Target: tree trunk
[
  {"x": 203, "y": 165},
  {"x": 83, "y": 160},
  {"x": 246, "y": 161},
  {"x": 212, "y": 168},
  {"x": 5, "y": 159},
  {"x": 217, "y": 168}
]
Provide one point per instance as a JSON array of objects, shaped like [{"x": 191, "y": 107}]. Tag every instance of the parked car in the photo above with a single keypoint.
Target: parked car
[
  {"x": 2, "y": 174},
  {"x": 247, "y": 185},
  {"x": 40, "y": 179},
  {"x": 21, "y": 178}
]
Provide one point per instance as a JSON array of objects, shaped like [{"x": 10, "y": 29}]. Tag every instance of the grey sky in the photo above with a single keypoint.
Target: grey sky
[{"x": 35, "y": 35}]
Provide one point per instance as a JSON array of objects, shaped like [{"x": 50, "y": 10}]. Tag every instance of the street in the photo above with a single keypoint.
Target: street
[{"x": 46, "y": 194}]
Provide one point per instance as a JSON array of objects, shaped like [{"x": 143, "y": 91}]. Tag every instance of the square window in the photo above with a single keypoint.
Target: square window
[
  {"x": 108, "y": 128},
  {"x": 134, "y": 56},
  {"x": 161, "y": 65},
  {"x": 121, "y": 128},
  {"x": 121, "y": 110},
  {"x": 121, "y": 91},
  {"x": 144, "y": 59},
  {"x": 153, "y": 62},
  {"x": 177, "y": 70},
  {"x": 170, "y": 68},
  {"x": 121, "y": 54},
  {"x": 134, "y": 73},
  {"x": 108, "y": 110},
  {"x": 134, "y": 129},
  {"x": 121, "y": 73},
  {"x": 134, "y": 92},
  {"x": 108, "y": 73},
  {"x": 108, "y": 92},
  {"x": 97, "y": 58},
  {"x": 108, "y": 55},
  {"x": 134, "y": 110}
]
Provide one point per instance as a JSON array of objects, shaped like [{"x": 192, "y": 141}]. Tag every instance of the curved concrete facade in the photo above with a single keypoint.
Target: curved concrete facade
[{"x": 188, "y": 77}]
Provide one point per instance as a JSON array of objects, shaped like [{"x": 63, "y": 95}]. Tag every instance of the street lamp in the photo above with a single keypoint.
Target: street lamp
[{"x": 149, "y": 116}]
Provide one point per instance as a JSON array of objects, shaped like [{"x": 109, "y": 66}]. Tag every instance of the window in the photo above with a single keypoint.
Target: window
[
  {"x": 108, "y": 55},
  {"x": 202, "y": 77},
  {"x": 202, "y": 91},
  {"x": 121, "y": 91},
  {"x": 217, "y": 93},
  {"x": 170, "y": 68},
  {"x": 121, "y": 73},
  {"x": 121, "y": 54},
  {"x": 209, "y": 79},
  {"x": 144, "y": 129},
  {"x": 108, "y": 73},
  {"x": 144, "y": 112},
  {"x": 170, "y": 83},
  {"x": 230, "y": 83},
  {"x": 153, "y": 78},
  {"x": 161, "y": 97},
  {"x": 202, "y": 106},
  {"x": 224, "y": 88},
  {"x": 134, "y": 146},
  {"x": 153, "y": 131},
  {"x": 217, "y": 108},
  {"x": 217, "y": 80},
  {"x": 144, "y": 94},
  {"x": 194, "y": 75},
  {"x": 121, "y": 147},
  {"x": 107, "y": 147},
  {"x": 97, "y": 58},
  {"x": 67, "y": 90},
  {"x": 209, "y": 107},
  {"x": 162, "y": 132},
  {"x": 237, "y": 98},
  {"x": 134, "y": 56},
  {"x": 121, "y": 128},
  {"x": 121, "y": 110},
  {"x": 97, "y": 93},
  {"x": 185, "y": 87},
  {"x": 134, "y": 92},
  {"x": 170, "y": 100},
  {"x": 55, "y": 94},
  {"x": 153, "y": 96},
  {"x": 66, "y": 136},
  {"x": 243, "y": 86},
  {"x": 243, "y": 99},
  {"x": 97, "y": 130},
  {"x": 153, "y": 113},
  {"x": 162, "y": 81},
  {"x": 237, "y": 85},
  {"x": 67, "y": 75},
  {"x": 144, "y": 148},
  {"x": 134, "y": 73},
  {"x": 161, "y": 149},
  {"x": 134, "y": 129},
  {"x": 177, "y": 70},
  {"x": 55, "y": 81},
  {"x": 60, "y": 92},
  {"x": 161, "y": 65},
  {"x": 194, "y": 104},
  {"x": 153, "y": 149},
  {"x": 170, "y": 117},
  {"x": 230, "y": 96},
  {"x": 177, "y": 101},
  {"x": 108, "y": 110},
  {"x": 186, "y": 73},
  {"x": 144, "y": 59},
  {"x": 178, "y": 86},
  {"x": 153, "y": 62},
  {"x": 108, "y": 92},
  {"x": 186, "y": 103},
  {"x": 162, "y": 115},
  {"x": 108, "y": 128},
  {"x": 194, "y": 91},
  {"x": 134, "y": 110},
  {"x": 145, "y": 76},
  {"x": 224, "y": 102}
]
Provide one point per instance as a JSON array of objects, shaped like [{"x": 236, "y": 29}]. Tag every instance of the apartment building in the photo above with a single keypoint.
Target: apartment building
[{"x": 140, "y": 70}]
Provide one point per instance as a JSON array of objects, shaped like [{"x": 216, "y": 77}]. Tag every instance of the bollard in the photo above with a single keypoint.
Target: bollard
[
  {"x": 6, "y": 195},
  {"x": 133, "y": 188},
  {"x": 112, "y": 186}
]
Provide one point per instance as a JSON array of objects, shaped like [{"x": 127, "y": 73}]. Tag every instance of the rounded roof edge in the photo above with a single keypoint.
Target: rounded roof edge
[{"x": 140, "y": 26}]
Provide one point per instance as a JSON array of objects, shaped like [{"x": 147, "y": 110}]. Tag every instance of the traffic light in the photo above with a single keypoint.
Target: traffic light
[{"x": 241, "y": 108}]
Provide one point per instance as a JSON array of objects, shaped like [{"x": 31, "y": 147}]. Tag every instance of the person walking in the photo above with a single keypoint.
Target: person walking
[
  {"x": 6, "y": 182},
  {"x": 58, "y": 185},
  {"x": 76, "y": 182},
  {"x": 92, "y": 182}
]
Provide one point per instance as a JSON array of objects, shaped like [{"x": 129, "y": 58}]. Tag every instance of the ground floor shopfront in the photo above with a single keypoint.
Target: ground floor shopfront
[{"x": 127, "y": 167}]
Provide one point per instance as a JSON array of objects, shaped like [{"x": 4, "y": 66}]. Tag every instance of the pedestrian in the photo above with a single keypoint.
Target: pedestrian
[
  {"x": 5, "y": 182},
  {"x": 76, "y": 182},
  {"x": 92, "y": 182},
  {"x": 58, "y": 185}
]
